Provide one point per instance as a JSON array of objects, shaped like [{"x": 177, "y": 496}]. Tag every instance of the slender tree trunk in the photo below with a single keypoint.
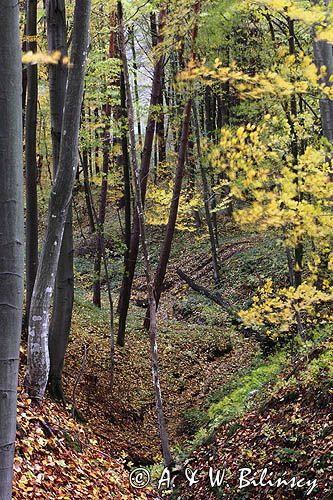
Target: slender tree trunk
[
  {"x": 206, "y": 198},
  {"x": 167, "y": 243},
  {"x": 30, "y": 158},
  {"x": 136, "y": 87},
  {"x": 128, "y": 276},
  {"x": 295, "y": 153},
  {"x": 102, "y": 208},
  {"x": 173, "y": 212},
  {"x": 38, "y": 362},
  {"x": 11, "y": 235},
  {"x": 24, "y": 78},
  {"x": 142, "y": 224},
  {"x": 97, "y": 139},
  {"x": 106, "y": 161},
  {"x": 323, "y": 56},
  {"x": 124, "y": 160},
  {"x": 210, "y": 129},
  {"x": 90, "y": 155},
  {"x": 64, "y": 287},
  {"x": 86, "y": 190},
  {"x": 160, "y": 130},
  {"x": 85, "y": 169}
]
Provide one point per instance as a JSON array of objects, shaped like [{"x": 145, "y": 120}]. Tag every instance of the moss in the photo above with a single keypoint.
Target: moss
[{"x": 239, "y": 400}]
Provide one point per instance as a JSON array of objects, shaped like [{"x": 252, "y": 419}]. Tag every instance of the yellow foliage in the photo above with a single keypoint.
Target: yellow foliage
[
  {"x": 158, "y": 204},
  {"x": 276, "y": 309},
  {"x": 296, "y": 199},
  {"x": 44, "y": 58}
]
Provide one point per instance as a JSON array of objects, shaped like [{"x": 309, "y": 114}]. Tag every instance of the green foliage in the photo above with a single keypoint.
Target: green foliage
[
  {"x": 288, "y": 455},
  {"x": 235, "y": 403},
  {"x": 320, "y": 371},
  {"x": 243, "y": 393},
  {"x": 194, "y": 420},
  {"x": 196, "y": 309}
]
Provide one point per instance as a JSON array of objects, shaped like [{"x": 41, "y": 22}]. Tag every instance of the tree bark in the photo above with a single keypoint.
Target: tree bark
[
  {"x": 173, "y": 212},
  {"x": 295, "y": 147},
  {"x": 24, "y": 78},
  {"x": 167, "y": 243},
  {"x": 323, "y": 56},
  {"x": 64, "y": 287},
  {"x": 160, "y": 129},
  {"x": 85, "y": 169},
  {"x": 145, "y": 250},
  {"x": 136, "y": 87},
  {"x": 126, "y": 287},
  {"x": 84, "y": 163},
  {"x": 11, "y": 235},
  {"x": 123, "y": 159},
  {"x": 56, "y": 40},
  {"x": 105, "y": 170},
  {"x": 206, "y": 194},
  {"x": 214, "y": 296},
  {"x": 102, "y": 208},
  {"x": 38, "y": 362},
  {"x": 30, "y": 157}
]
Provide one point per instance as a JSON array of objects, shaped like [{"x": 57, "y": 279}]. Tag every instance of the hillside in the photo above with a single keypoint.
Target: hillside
[
  {"x": 58, "y": 458},
  {"x": 254, "y": 410},
  {"x": 288, "y": 432}
]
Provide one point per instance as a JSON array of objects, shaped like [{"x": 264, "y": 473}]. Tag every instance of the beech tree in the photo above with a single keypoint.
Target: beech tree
[
  {"x": 105, "y": 171},
  {"x": 30, "y": 156},
  {"x": 145, "y": 249},
  {"x": 130, "y": 263},
  {"x": 173, "y": 212},
  {"x": 64, "y": 286},
  {"x": 323, "y": 56},
  {"x": 38, "y": 361},
  {"x": 11, "y": 235}
]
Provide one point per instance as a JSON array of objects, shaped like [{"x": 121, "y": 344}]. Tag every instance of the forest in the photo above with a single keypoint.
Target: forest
[{"x": 166, "y": 249}]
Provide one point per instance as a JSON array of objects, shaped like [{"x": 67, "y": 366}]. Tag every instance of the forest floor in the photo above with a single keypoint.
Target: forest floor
[
  {"x": 225, "y": 403},
  {"x": 197, "y": 355}
]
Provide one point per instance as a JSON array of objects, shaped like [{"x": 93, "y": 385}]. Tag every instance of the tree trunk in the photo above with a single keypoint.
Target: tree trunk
[
  {"x": 64, "y": 287},
  {"x": 167, "y": 243},
  {"x": 30, "y": 158},
  {"x": 136, "y": 87},
  {"x": 11, "y": 235},
  {"x": 123, "y": 159},
  {"x": 125, "y": 292},
  {"x": 85, "y": 169},
  {"x": 24, "y": 78},
  {"x": 206, "y": 198},
  {"x": 160, "y": 130},
  {"x": 38, "y": 362},
  {"x": 323, "y": 56},
  {"x": 104, "y": 188},
  {"x": 86, "y": 190},
  {"x": 62, "y": 311},
  {"x": 102, "y": 208},
  {"x": 295, "y": 152},
  {"x": 97, "y": 139},
  {"x": 173, "y": 212},
  {"x": 142, "y": 225}
]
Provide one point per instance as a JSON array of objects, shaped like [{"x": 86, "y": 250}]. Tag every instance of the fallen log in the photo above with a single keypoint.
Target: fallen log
[
  {"x": 214, "y": 296},
  {"x": 266, "y": 342}
]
